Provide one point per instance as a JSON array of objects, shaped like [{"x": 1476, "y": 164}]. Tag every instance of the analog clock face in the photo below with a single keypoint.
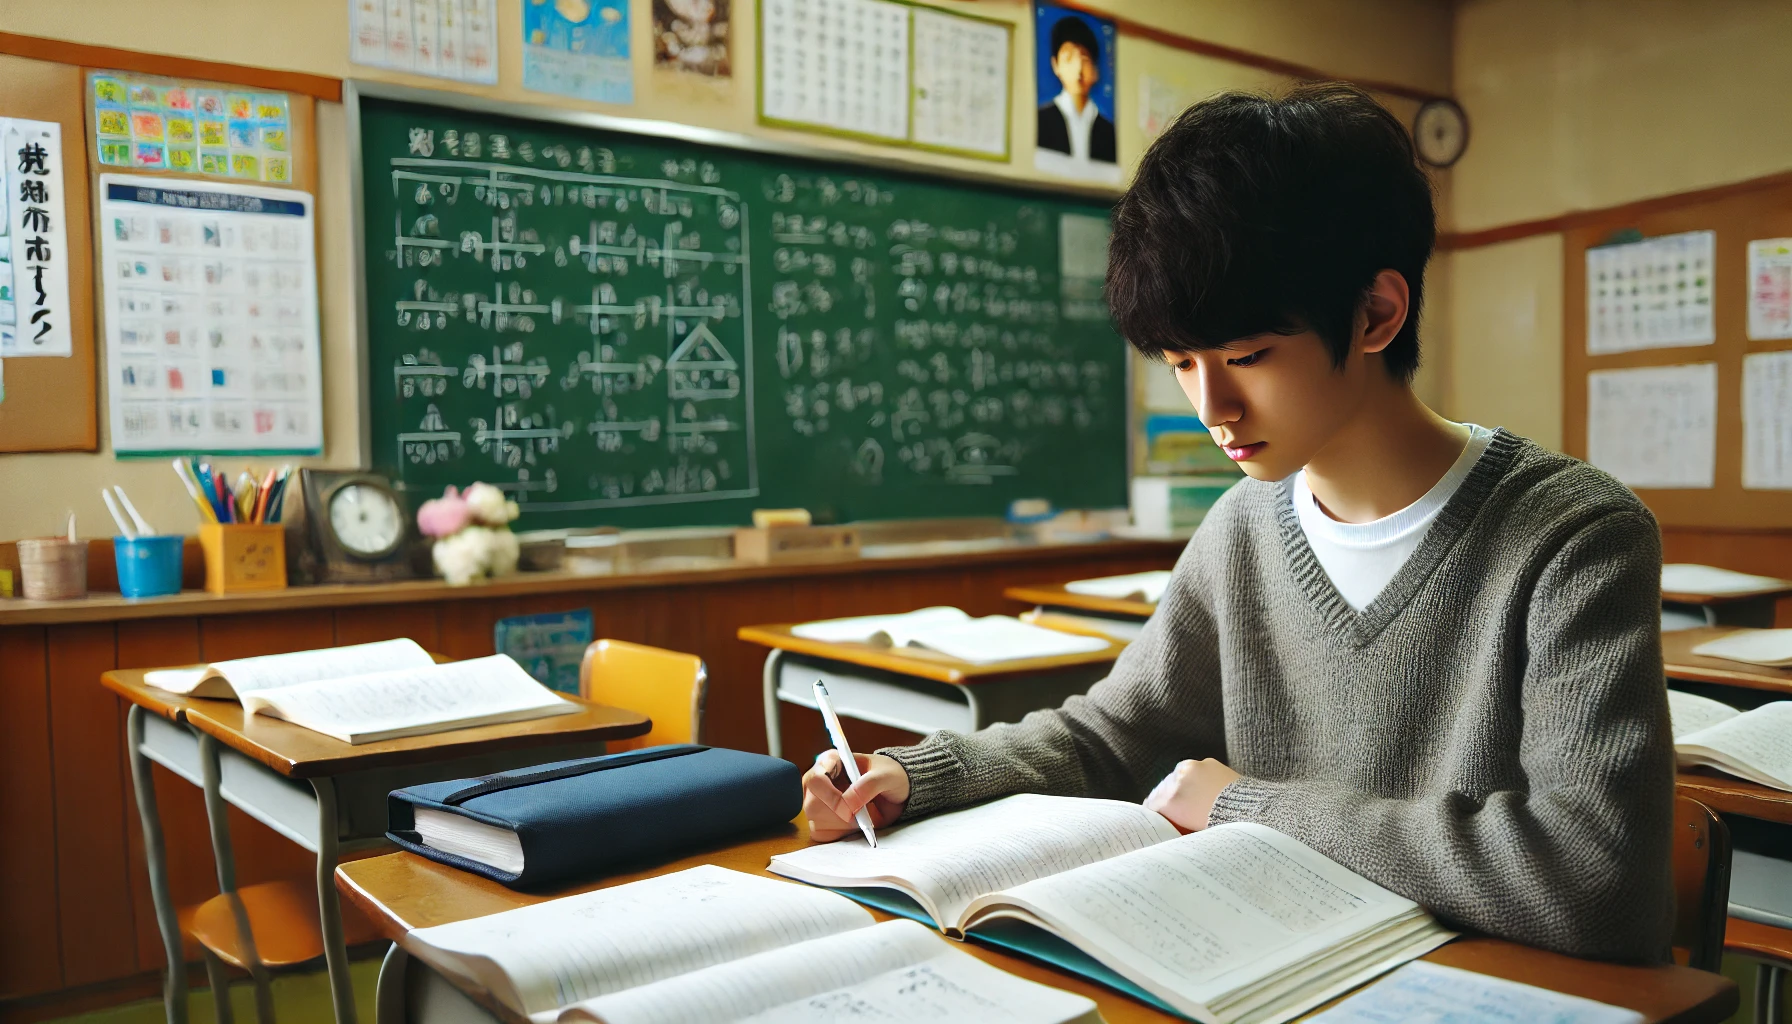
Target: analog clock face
[
  {"x": 1440, "y": 132},
  {"x": 365, "y": 519}
]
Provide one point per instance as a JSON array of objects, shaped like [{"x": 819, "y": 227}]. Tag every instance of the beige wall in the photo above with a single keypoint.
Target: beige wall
[
  {"x": 1406, "y": 41},
  {"x": 1581, "y": 104}
]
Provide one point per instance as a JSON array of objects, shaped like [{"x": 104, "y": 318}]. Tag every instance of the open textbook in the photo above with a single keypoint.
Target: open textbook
[
  {"x": 1769, "y": 647},
  {"x": 710, "y": 944},
  {"x": 1754, "y": 745},
  {"x": 1237, "y": 922},
  {"x": 372, "y": 692},
  {"x": 1137, "y": 586},
  {"x": 950, "y": 631}
]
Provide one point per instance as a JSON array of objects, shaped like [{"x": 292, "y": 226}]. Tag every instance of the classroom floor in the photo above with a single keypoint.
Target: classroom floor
[{"x": 305, "y": 997}]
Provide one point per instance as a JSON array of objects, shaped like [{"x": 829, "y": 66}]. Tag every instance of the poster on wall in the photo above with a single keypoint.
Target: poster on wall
[
  {"x": 454, "y": 39},
  {"x": 37, "y": 232},
  {"x": 210, "y": 299},
  {"x": 578, "y": 48},
  {"x": 549, "y": 646},
  {"x": 693, "y": 36},
  {"x": 1656, "y": 293},
  {"x": 1074, "y": 68},
  {"x": 164, "y": 124}
]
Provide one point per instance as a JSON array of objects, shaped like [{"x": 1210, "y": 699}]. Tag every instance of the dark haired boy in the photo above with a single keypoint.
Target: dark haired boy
[
  {"x": 1428, "y": 650},
  {"x": 1071, "y": 124}
]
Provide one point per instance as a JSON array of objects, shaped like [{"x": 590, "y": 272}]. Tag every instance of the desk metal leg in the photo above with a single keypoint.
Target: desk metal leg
[
  {"x": 774, "y": 730},
  {"x": 329, "y": 907},
  {"x": 390, "y": 996},
  {"x": 174, "y": 987},
  {"x": 217, "y": 816}
]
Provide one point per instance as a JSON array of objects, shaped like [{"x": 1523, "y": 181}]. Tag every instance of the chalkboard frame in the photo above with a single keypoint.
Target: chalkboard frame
[{"x": 899, "y": 160}]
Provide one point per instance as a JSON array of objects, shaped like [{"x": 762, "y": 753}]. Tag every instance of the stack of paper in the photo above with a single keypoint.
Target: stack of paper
[
  {"x": 1770, "y": 647},
  {"x": 1138, "y": 586},
  {"x": 1682, "y": 578},
  {"x": 951, "y": 632}
]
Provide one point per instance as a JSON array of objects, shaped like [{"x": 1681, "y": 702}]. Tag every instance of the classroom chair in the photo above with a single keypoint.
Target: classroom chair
[
  {"x": 1761, "y": 927},
  {"x": 1701, "y": 858},
  {"x": 666, "y": 686}
]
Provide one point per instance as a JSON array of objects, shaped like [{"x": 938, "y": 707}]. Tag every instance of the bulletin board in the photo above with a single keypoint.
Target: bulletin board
[
  {"x": 51, "y": 403},
  {"x": 1737, "y": 215}
]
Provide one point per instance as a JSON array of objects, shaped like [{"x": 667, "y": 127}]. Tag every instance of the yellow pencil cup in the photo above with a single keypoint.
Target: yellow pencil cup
[{"x": 243, "y": 556}]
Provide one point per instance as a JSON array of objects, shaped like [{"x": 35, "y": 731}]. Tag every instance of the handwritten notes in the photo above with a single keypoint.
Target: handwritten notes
[
  {"x": 36, "y": 227},
  {"x": 1767, "y": 421},
  {"x": 212, "y": 340},
  {"x": 454, "y": 39},
  {"x": 1436, "y": 994},
  {"x": 1655, "y": 426}
]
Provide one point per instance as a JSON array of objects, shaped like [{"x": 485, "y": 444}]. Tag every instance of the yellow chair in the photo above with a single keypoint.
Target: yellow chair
[{"x": 666, "y": 686}]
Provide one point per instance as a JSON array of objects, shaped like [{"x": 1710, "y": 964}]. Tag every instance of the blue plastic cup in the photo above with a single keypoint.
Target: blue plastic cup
[{"x": 148, "y": 566}]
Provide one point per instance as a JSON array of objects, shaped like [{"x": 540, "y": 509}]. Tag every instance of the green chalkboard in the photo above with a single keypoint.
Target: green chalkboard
[{"x": 629, "y": 329}]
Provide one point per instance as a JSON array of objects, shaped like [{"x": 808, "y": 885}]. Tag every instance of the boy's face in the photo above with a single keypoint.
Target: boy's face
[
  {"x": 1273, "y": 401},
  {"x": 1076, "y": 70}
]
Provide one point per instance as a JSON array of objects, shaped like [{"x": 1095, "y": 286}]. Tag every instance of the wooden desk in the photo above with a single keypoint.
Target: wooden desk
[
  {"x": 325, "y": 795},
  {"x": 1053, "y": 595},
  {"x": 1744, "y": 608},
  {"x": 913, "y": 688},
  {"x": 1731, "y": 795},
  {"x": 1680, "y": 663},
  {"x": 402, "y": 891}
]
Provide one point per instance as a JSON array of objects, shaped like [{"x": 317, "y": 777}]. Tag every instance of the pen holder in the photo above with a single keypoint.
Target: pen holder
[
  {"x": 243, "y": 556},
  {"x": 53, "y": 568},
  {"x": 148, "y": 566}
]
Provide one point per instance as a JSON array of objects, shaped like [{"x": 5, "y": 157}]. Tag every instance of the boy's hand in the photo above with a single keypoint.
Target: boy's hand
[
  {"x": 1186, "y": 795},
  {"x": 830, "y": 803}
]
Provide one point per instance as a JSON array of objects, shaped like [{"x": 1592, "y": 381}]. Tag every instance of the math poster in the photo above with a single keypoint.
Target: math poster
[
  {"x": 578, "y": 48},
  {"x": 37, "y": 232},
  {"x": 1074, "y": 68}
]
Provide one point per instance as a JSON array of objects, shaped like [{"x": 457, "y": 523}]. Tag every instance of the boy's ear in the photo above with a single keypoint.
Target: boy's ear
[{"x": 1384, "y": 309}]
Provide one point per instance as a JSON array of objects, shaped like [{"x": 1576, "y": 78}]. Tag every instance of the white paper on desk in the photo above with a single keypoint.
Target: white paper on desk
[
  {"x": 1771, "y": 647},
  {"x": 1686, "y": 578},
  {"x": 1756, "y": 746},
  {"x": 1689, "y": 712},
  {"x": 1655, "y": 426},
  {"x": 1767, "y": 421},
  {"x": 996, "y": 638},
  {"x": 862, "y": 628},
  {"x": 1142, "y": 586},
  {"x": 1427, "y": 993}
]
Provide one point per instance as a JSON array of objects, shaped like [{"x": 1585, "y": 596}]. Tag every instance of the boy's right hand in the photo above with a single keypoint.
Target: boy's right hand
[{"x": 829, "y": 801}]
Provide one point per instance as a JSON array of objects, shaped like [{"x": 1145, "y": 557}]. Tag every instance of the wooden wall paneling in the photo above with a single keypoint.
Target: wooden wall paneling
[
  {"x": 242, "y": 636},
  {"x": 390, "y": 622},
  {"x": 32, "y": 962},
  {"x": 465, "y": 628},
  {"x": 192, "y": 876},
  {"x": 93, "y": 887}
]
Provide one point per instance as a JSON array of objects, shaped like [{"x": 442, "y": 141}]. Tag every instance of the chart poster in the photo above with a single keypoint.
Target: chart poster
[
  {"x": 1074, "y": 68},
  {"x": 163, "y": 124},
  {"x": 549, "y": 647},
  {"x": 693, "y": 36},
  {"x": 455, "y": 39},
  {"x": 578, "y": 48},
  {"x": 1656, "y": 293},
  {"x": 37, "y": 230}
]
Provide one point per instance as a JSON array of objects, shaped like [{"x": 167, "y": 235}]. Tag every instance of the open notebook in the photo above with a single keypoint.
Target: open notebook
[
  {"x": 950, "y": 631},
  {"x": 1754, "y": 745},
  {"x": 371, "y": 692},
  {"x": 710, "y": 944},
  {"x": 1769, "y": 647},
  {"x": 1137, "y": 586},
  {"x": 1237, "y": 922}
]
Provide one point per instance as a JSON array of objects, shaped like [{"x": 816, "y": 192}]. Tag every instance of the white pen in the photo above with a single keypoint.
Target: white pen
[{"x": 838, "y": 735}]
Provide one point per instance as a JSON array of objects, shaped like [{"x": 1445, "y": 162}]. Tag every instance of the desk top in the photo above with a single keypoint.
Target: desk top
[
  {"x": 299, "y": 753},
  {"x": 919, "y": 661},
  {"x": 1769, "y": 593},
  {"x": 1731, "y": 795},
  {"x": 402, "y": 891},
  {"x": 1681, "y": 663},
  {"x": 1054, "y": 595}
]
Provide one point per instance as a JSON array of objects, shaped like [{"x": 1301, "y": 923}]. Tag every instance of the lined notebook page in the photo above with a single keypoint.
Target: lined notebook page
[
  {"x": 547, "y": 956},
  {"x": 952, "y": 859},
  {"x": 1757, "y": 745},
  {"x": 1435, "y": 994},
  {"x": 897, "y": 970},
  {"x": 1188, "y": 912},
  {"x": 412, "y": 701},
  {"x": 276, "y": 670},
  {"x": 1690, "y": 712}
]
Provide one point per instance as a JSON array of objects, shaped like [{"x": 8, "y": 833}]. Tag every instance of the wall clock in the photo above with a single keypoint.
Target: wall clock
[
  {"x": 349, "y": 527},
  {"x": 1440, "y": 132}
]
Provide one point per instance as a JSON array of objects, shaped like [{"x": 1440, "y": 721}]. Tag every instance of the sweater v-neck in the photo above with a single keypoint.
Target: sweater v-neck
[{"x": 1358, "y": 628}]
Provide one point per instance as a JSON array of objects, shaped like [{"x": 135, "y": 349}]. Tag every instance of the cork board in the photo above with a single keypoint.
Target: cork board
[{"x": 1754, "y": 210}]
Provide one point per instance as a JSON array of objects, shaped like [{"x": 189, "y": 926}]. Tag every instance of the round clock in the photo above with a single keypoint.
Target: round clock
[
  {"x": 366, "y": 520},
  {"x": 1440, "y": 132}
]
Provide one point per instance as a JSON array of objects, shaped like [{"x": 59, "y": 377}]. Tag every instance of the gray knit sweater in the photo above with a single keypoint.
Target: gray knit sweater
[{"x": 1489, "y": 737}]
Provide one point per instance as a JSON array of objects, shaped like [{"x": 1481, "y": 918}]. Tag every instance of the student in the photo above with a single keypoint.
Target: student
[
  {"x": 1428, "y": 650},
  {"x": 1071, "y": 123}
]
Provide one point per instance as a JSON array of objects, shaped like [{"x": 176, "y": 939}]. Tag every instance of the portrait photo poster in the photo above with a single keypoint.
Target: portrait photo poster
[{"x": 1074, "y": 69}]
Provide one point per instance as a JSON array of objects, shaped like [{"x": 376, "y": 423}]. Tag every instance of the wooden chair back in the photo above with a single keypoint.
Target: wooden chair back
[
  {"x": 666, "y": 686},
  {"x": 1701, "y": 856}
]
